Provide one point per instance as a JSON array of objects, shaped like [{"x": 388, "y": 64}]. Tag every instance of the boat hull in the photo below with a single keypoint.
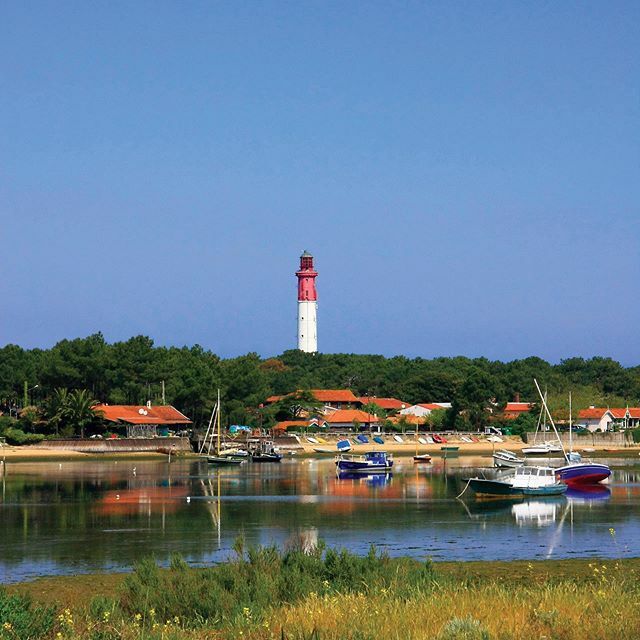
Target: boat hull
[
  {"x": 266, "y": 457},
  {"x": 352, "y": 466},
  {"x": 587, "y": 473},
  {"x": 497, "y": 488},
  {"x": 424, "y": 458},
  {"x": 224, "y": 460}
]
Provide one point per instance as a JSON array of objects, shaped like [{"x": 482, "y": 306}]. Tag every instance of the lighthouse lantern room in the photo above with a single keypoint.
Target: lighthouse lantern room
[{"x": 307, "y": 305}]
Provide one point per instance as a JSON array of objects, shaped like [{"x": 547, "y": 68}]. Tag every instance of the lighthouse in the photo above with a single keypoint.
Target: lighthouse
[{"x": 307, "y": 305}]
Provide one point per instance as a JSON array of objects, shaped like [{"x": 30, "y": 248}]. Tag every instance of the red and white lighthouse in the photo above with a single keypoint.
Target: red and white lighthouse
[{"x": 307, "y": 305}]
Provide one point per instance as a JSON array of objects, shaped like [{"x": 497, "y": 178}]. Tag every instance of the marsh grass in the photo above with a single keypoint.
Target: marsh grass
[{"x": 269, "y": 594}]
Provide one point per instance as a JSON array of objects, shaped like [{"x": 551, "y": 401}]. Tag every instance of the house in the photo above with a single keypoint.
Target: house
[
  {"x": 330, "y": 398},
  {"x": 345, "y": 419},
  {"x": 390, "y": 405},
  {"x": 424, "y": 409},
  {"x": 599, "y": 418},
  {"x": 514, "y": 410},
  {"x": 142, "y": 421}
]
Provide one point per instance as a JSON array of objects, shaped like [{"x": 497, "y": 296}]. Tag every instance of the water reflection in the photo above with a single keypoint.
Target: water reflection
[{"x": 82, "y": 516}]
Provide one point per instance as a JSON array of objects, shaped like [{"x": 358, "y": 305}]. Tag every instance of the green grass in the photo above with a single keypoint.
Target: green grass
[{"x": 269, "y": 594}]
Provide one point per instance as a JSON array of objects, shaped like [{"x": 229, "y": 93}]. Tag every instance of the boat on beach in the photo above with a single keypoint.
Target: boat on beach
[{"x": 371, "y": 462}]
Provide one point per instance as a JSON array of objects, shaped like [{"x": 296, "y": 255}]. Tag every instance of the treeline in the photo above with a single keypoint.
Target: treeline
[{"x": 132, "y": 372}]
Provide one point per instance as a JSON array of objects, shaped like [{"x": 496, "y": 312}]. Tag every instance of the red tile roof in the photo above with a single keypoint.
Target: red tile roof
[
  {"x": 620, "y": 414},
  {"x": 334, "y": 395},
  {"x": 388, "y": 404},
  {"x": 349, "y": 415},
  {"x": 517, "y": 407},
  {"x": 592, "y": 413},
  {"x": 141, "y": 414},
  {"x": 282, "y": 426},
  {"x": 322, "y": 395},
  {"x": 430, "y": 406}
]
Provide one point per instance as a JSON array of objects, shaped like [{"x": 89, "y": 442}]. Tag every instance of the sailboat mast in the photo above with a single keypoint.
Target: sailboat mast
[
  {"x": 570, "y": 425},
  {"x": 218, "y": 425}
]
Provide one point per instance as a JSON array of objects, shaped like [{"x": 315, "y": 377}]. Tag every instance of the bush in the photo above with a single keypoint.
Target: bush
[
  {"x": 262, "y": 578},
  {"x": 635, "y": 435},
  {"x": 463, "y": 629},
  {"x": 18, "y": 437},
  {"x": 22, "y": 620}
]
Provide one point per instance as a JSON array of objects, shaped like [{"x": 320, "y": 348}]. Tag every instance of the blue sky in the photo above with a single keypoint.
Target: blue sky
[{"x": 466, "y": 174}]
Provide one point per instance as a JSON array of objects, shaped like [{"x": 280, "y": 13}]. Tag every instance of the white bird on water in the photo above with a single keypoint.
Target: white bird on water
[{"x": 188, "y": 498}]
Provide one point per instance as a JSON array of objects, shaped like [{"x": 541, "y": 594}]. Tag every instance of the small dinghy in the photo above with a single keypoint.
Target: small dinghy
[
  {"x": 398, "y": 439},
  {"x": 362, "y": 439},
  {"x": 378, "y": 440},
  {"x": 343, "y": 445},
  {"x": 429, "y": 440},
  {"x": 312, "y": 440},
  {"x": 506, "y": 459}
]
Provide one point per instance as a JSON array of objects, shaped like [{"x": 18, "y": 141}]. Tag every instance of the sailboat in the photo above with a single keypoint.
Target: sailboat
[
  {"x": 217, "y": 457},
  {"x": 545, "y": 448},
  {"x": 577, "y": 472}
]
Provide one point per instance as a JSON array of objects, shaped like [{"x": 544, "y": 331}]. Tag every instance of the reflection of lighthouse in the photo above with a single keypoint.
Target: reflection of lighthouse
[{"x": 307, "y": 305}]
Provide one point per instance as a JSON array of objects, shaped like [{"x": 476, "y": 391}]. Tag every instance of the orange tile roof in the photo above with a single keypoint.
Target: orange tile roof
[
  {"x": 620, "y": 414},
  {"x": 282, "y": 426},
  {"x": 388, "y": 404},
  {"x": 349, "y": 415},
  {"x": 334, "y": 395},
  {"x": 135, "y": 414},
  {"x": 518, "y": 406},
  {"x": 431, "y": 406},
  {"x": 594, "y": 413},
  {"x": 272, "y": 399}
]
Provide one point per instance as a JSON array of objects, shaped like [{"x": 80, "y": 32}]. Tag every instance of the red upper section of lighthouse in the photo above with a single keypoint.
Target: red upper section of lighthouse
[{"x": 307, "y": 278}]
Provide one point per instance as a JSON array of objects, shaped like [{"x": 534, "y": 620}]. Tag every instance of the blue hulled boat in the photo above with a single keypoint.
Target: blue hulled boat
[
  {"x": 583, "y": 473},
  {"x": 372, "y": 462}
]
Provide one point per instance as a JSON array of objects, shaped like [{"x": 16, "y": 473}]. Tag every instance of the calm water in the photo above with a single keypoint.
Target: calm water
[{"x": 86, "y": 516}]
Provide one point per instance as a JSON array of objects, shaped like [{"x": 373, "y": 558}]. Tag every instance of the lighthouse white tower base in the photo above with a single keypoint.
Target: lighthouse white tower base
[{"x": 308, "y": 326}]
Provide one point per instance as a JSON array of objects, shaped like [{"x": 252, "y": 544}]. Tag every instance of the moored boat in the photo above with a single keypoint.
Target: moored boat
[
  {"x": 372, "y": 462},
  {"x": 583, "y": 473},
  {"x": 525, "y": 481},
  {"x": 506, "y": 459}
]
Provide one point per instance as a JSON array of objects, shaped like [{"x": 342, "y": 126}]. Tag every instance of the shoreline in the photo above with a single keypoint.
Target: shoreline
[{"x": 33, "y": 453}]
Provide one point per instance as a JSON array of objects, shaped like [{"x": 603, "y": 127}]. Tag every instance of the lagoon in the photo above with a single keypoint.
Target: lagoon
[{"x": 103, "y": 515}]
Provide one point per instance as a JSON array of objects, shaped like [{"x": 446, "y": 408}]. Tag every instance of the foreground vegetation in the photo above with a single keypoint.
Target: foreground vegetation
[{"x": 323, "y": 594}]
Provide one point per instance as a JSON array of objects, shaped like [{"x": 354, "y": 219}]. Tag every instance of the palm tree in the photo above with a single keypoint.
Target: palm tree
[
  {"x": 56, "y": 407},
  {"x": 80, "y": 413}
]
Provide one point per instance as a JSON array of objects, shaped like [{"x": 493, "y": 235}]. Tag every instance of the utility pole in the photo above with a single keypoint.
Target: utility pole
[
  {"x": 25, "y": 402},
  {"x": 164, "y": 401}
]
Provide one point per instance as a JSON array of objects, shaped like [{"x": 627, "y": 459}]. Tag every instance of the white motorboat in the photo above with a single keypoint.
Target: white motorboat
[{"x": 506, "y": 459}]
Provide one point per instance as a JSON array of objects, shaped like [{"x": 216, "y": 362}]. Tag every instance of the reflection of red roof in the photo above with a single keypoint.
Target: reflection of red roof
[
  {"x": 349, "y": 415},
  {"x": 139, "y": 414},
  {"x": 388, "y": 404}
]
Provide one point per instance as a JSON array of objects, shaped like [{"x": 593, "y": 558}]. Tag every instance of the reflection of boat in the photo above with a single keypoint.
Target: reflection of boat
[
  {"x": 525, "y": 481},
  {"x": 507, "y": 459},
  {"x": 374, "y": 480},
  {"x": 372, "y": 462},
  {"x": 422, "y": 457},
  {"x": 538, "y": 512},
  {"x": 589, "y": 492}
]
